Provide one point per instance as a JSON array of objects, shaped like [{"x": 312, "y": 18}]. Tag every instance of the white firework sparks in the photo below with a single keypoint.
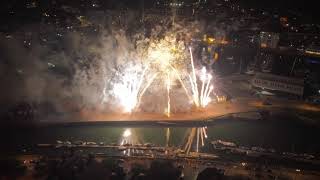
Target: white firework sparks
[
  {"x": 165, "y": 61},
  {"x": 201, "y": 99},
  {"x": 130, "y": 87}
]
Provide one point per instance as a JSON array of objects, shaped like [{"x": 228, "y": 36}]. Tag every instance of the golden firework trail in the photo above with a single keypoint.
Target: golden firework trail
[
  {"x": 181, "y": 82},
  {"x": 164, "y": 60},
  {"x": 193, "y": 81},
  {"x": 145, "y": 88},
  {"x": 168, "y": 82},
  {"x": 202, "y": 99}
]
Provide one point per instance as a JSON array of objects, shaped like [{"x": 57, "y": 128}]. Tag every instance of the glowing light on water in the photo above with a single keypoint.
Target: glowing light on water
[
  {"x": 126, "y": 133},
  {"x": 200, "y": 134},
  {"x": 126, "y": 137},
  {"x": 129, "y": 138},
  {"x": 167, "y": 136}
]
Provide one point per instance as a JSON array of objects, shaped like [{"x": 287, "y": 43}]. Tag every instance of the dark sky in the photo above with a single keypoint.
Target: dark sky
[
  {"x": 306, "y": 6},
  {"x": 308, "y": 9}
]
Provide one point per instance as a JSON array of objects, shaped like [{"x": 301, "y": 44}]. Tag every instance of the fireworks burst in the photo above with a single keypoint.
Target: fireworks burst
[
  {"x": 166, "y": 62},
  {"x": 201, "y": 99},
  {"x": 164, "y": 57},
  {"x": 130, "y": 88}
]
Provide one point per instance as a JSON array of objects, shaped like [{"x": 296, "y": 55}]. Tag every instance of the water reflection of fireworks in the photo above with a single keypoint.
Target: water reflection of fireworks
[
  {"x": 128, "y": 139},
  {"x": 200, "y": 134}
]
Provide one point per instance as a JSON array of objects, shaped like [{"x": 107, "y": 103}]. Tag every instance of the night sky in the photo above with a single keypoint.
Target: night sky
[{"x": 307, "y": 7}]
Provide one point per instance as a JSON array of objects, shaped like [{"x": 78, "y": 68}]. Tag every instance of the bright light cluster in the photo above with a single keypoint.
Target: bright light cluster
[
  {"x": 166, "y": 53},
  {"x": 201, "y": 99},
  {"x": 126, "y": 133},
  {"x": 127, "y": 90},
  {"x": 165, "y": 60},
  {"x": 127, "y": 139}
]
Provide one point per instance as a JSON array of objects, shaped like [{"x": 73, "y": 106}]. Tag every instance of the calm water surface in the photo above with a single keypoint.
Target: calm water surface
[{"x": 281, "y": 134}]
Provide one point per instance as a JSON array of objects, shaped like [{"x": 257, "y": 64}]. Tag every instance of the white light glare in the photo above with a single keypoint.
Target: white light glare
[{"x": 126, "y": 133}]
